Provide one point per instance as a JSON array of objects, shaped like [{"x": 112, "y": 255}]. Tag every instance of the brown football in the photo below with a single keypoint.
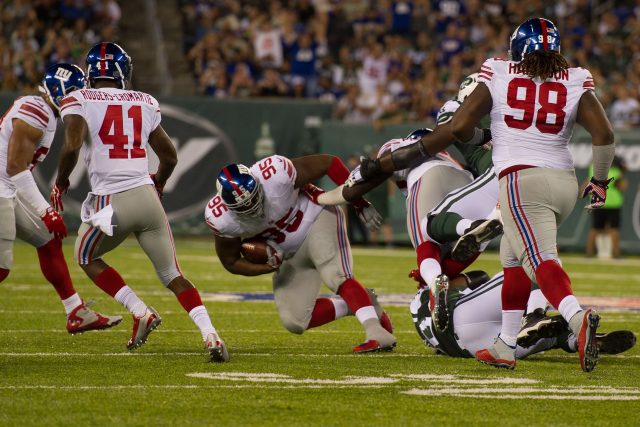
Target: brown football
[{"x": 255, "y": 251}]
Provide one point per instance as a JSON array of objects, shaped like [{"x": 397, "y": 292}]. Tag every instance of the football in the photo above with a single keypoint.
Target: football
[{"x": 255, "y": 251}]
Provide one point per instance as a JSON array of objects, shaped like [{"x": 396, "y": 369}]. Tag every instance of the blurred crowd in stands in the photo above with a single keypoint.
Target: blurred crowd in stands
[
  {"x": 391, "y": 61},
  {"x": 35, "y": 34}
]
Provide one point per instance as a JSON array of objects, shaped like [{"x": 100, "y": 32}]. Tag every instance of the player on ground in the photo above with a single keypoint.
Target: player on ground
[
  {"x": 274, "y": 200},
  {"x": 535, "y": 99},
  {"x": 124, "y": 199},
  {"x": 26, "y": 134},
  {"x": 475, "y": 305}
]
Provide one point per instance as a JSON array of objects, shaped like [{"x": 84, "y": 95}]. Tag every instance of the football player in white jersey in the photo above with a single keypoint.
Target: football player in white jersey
[
  {"x": 274, "y": 200},
  {"x": 26, "y": 134},
  {"x": 475, "y": 305},
  {"x": 535, "y": 99},
  {"x": 120, "y": 125}
]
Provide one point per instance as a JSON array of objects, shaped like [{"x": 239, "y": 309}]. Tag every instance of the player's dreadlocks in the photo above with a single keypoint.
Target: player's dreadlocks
[{"x": 543, "y": 64}]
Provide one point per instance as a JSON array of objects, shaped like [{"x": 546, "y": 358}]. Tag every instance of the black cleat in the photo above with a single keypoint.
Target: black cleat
[
  {"x": 537, "y": 325},
  {"x": 615, "y": 342},
  {"x": 480, "y": 231},
  {"x": 440, "y": 313}
]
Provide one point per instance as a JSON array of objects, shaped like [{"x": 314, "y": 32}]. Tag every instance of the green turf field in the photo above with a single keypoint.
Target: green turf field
[{"x": 277, "y": 378}]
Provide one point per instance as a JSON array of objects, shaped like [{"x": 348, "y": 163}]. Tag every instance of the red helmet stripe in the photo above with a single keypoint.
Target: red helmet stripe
[
  {"x": 103, "y": 51},
  {"x": 230, "y": 181},
  {"x": 543, "y": 24}
]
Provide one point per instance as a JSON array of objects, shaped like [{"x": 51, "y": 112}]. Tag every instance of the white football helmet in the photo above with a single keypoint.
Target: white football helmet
[{"x": 467, "y": 86}]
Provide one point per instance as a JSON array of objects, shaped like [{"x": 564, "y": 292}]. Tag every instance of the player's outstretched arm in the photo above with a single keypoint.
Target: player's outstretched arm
[
  {"x": 472, "y": 110},
  {"x": 166, "y": 152},
  {"x": 228, "y": 251},
  {"x": 22, "y": 143},
  {"x": 75, "y": 130},
  {"x": 592, "y": 117}
]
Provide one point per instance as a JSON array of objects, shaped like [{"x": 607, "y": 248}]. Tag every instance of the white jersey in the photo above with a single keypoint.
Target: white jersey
[
  {"x": 37, "y": 113},
  {"x": 288, "y": 213},
  {"x": 405, "y": 178},
  {"x": 532, "y": 120},
  {"x": 119, "y": 124}
]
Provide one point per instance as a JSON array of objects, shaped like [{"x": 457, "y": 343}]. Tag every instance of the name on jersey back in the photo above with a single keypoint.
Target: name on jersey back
[{"x": 98, "y": 95}]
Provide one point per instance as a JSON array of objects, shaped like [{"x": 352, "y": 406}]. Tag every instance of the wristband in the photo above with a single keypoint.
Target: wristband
[
  {"x": 337, "y": 171},
  {"x": 602, "y": 159},
  {"x": 477, "y": 138}
]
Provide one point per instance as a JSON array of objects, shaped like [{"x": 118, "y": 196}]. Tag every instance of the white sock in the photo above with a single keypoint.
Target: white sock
[
  {"x": 568, "y": 307},
  {"x": 511, "y": 324},
  {"x": 429, "y": 270},
  {"x": 130, "y": 300},
  {"x": 202, "y": 320},
  {"x": 365, "y": 313},
  {"x": 462, "y": 225},
  {"x": 340, "y": 306},
  {"x": 536, "y": 300},
  {"x": 71, "y": 303}
]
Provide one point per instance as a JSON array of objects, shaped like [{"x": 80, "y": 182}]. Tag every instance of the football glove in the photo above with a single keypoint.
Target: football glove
[
  {"x": 369, "y": 168},
  {"x": 275, "y": 254},
  {"x": 598, "y": 191},
  {"x": 368, "y": 214},
  {"x": 312, "y": 192},
  {"x": 56, "y": 195},
  {"x": 159, "y": 188},
  {"x": 54, "y": 223}
]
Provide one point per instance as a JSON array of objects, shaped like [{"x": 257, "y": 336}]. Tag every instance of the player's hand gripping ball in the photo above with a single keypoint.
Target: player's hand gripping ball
[{"x": 259, "y": 251}]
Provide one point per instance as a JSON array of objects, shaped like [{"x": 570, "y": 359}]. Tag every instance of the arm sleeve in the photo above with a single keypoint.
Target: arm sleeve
[
  {"x": 485, "y": 75},
  {"x": 157, "y": 116}
]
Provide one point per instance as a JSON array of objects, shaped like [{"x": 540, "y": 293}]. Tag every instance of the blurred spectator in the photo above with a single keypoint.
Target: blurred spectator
[
  {"x": 37, "y": 33},
  {"x": 242, "y": 84},
  {"x": 271, "y": 84},
  {"x": 625, "y": 110}
]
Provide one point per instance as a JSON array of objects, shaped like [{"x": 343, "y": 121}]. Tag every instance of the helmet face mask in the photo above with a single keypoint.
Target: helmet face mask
[
  {"x": 533, "y": 34},
  {"x": 240, "y": 191},
  {"x": 60, "y": 80},
  {"x": 108, "y": 61}
]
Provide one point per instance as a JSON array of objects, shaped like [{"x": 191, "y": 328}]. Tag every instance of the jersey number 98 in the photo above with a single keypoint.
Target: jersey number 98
[{"x": 551, "y": 97}]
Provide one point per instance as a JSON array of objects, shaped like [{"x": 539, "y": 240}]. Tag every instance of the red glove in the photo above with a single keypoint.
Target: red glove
[
  {"x": 54, "y": 223},
  {"x": 56, "y": 195},
  {"x": 312, "y": 192},
  {"x": 159, "y": 188}
]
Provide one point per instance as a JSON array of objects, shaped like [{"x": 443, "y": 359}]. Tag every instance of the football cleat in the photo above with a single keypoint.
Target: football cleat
[
  {"x": 615, "y": 342},
  {"x": 499, "y": 355},
  {"x": 83, "y": 319},
  {"x": 440, "y": 312},
  {"x": 480, "y": 231},
  {"x": 216, "y": 348},
  {"x": 385, "y": 320},
  {"x": 371, "y": 346},
  {"x": 142, "y": 327},
  {"x": 585, "y": 324},
  {"x": 537, "y": 325}
]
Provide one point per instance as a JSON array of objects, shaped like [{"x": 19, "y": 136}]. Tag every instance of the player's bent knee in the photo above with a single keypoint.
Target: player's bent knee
[
  {"x": 293, "y": 324},
  {"x": 167, "y": 275}
]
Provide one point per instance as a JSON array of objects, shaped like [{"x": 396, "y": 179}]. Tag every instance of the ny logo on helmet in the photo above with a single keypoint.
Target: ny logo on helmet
[{"x": 63, "y": 74}]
